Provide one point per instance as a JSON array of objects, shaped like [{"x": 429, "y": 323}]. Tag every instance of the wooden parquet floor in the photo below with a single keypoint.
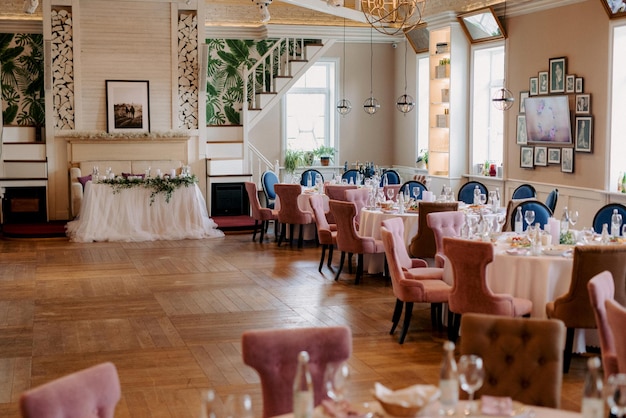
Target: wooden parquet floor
[{"x": 170, "y": 315}]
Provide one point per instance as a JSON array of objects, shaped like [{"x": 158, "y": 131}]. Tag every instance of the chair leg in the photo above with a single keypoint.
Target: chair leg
[
  {"x": 341, "y": 260},
  {"x": 256, "y": 225},
  {"x": 397, "y": 312},
  {"x": 433, "y": 315},
  {"x": 300, "y": 236},
  {"x": 350, "y": 263},
  {"x": 322, "y": 258},
  {"x": 291, "y": 227},
  {"x": 263, "y": 227},
  {"x": 283, "y": 230},
  {"x": 359, "y": 269},
  {"x": 408, "y": 313},
  {"x": 569, "y": 346},
  {"x": 330, "y": 255},
  {"x": 454, "y": 322}
]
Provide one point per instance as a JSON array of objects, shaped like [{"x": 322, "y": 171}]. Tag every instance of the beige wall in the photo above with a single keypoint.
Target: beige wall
[{"x": 579, "y": 32}]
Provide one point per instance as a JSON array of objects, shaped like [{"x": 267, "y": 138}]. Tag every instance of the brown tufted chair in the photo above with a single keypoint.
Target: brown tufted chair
[
  {"x": 273, "y": 353},
  {"x": 423, "y": 243},
  {"x": 522, "y": 357},
  {"x": 470, "y": 292},
  {"x": 289, "y": 213},
  {"x": 411, "y": 279},
  {"x": 601, "y": 288},
  {"x": 395, "y": 188},
  {"x": 325, "y": 235},
  {"x": 360, "y": 198},
  {"x": 264, "y": 215},
  {"x": 338, "y": 191},
  {"x": 574, "y": 307},
  {"x": 616, "y": 317},
  {"x": 348, "y": 239},
  {"x": 444, "y": 224}
]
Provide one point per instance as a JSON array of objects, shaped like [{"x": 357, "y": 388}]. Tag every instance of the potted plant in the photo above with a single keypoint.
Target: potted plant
[
  {"x": 293, "y": 159},
  {"x": 422, "y": 159},
  {"x": 325, "y": 153}
]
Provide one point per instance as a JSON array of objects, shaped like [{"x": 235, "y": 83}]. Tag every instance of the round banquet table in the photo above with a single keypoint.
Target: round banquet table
[{"x": 369, "y": 226}]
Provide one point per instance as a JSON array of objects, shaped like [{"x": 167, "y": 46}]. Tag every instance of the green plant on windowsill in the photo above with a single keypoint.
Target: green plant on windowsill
[
  {"x": 422, "y": 159},
  {"x": 293, "y": 159},
  {"x": 325, "y": 153}
]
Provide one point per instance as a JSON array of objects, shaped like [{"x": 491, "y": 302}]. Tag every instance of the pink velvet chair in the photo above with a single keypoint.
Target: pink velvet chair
[
  {"x": 325, "y": 235},
  {"x": 411, "y": 279},
  {"x": 260, "y": 214},
  {"x": 444, "y": 224},
  {"x": 360, "y": 198},
  {"x": 348, "y": 239},
  {"x": 92, "y": 392},
  {"x": 290, "y": 213},
  {"x": 338, "y": 191},
  {"x": 470, "y": 292},
  {"x": 616, "y": 317},
  {"x": 601, "y": 288},
  {"x": 273, "y": 354}
]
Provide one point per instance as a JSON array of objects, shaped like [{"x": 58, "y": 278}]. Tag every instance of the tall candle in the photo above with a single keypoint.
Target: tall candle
[{"x": 555, "y": 230}]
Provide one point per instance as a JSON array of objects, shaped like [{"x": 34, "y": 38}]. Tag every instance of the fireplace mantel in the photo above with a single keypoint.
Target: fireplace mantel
[{"x": 119, "y": 149}]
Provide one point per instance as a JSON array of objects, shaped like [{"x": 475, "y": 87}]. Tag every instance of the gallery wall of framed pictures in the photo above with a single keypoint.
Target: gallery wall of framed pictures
[{"x": 554, "y": 120}]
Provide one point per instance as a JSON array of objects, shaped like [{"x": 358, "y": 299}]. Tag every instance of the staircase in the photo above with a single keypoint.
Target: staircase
[{"x": 230, "y": 155}]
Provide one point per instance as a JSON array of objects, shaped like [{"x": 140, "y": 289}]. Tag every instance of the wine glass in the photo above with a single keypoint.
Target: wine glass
[
  {"x": 210, "y": 405},
  {"x": 416, "y": 192},
  {"x": 573, "y": 217},
  {"x": 482, "y": 199},
  {"x": 336, "y": 377},
  {"x": 390, "y": 193},
  {"x": 616, "y": 394},
  {"x": 238, "y": 406},
  {"x": 471, "y": 376},
  {"x": 529, "y": 217},
  {"x": 588, "y": 234}
]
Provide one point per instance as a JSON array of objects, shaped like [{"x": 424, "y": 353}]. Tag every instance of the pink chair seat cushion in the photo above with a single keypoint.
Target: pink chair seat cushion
[
  {"x": 424, "y": 273},
  {"x": 521, "y": 306}
]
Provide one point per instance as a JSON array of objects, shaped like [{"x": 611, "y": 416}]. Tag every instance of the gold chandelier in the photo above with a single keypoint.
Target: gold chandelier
[{"x": 392, "y": 17}]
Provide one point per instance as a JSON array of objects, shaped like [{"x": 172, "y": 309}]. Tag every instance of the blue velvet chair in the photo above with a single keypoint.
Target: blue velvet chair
[
  {"x": 269, "y": 179},
  {"x": 603, "y": 215},
  {"x": 553, "y": 196},
  {"x": 525, "y": 191},
  {"x": 350, "y": 174},
  {"x": 407, "y": 188},
  {"x": 310, "y": 174},
  {"x": 466, "y": 192},
  {"x": 542, "y": 212},
  {"x": 392, "y": 177}
]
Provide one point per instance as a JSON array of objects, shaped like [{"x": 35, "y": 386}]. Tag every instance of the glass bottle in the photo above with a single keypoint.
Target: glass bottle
[
  {"x": 593, "y": 401},
  {"x": 476, "y": 195},
  {"x": 616, "y": 223},
  {"x": 605, "y": 234},
  {"x": 519, "y": 221},
  {"x": 448, "y": 381},
  {"x": 303, "y": 388},
  {"x": 565, "y": 221}
]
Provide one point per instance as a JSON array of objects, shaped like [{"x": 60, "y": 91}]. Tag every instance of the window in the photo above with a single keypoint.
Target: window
[
  {"x": 618, "y": 107},
  {"x": 423, "y": 84},
  {"x": 309, "y": 109},
  {"x": 487, "y": 122}
]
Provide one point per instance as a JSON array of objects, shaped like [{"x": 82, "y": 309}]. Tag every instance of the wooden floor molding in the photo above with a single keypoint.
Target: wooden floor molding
[{"x": 170, "y": 315}]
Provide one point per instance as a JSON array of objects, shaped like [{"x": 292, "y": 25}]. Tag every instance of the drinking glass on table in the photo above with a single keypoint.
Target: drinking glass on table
[
  {"x": 390, "y": 193},
  {"x": 238, "y": 406},
  {"x": 573, "y": 217},
  {"x": 210, "y": 405},
  {"x": 616, "y": 394},
  {"x": 471, "y": 376},
  {"x": 482, "y": 199},
  {"x": 588, "y": 234},
  {"x": 416, "y": 192},
  {"x": 336, "y": 378},
  {"x": 529, "y": 217}
]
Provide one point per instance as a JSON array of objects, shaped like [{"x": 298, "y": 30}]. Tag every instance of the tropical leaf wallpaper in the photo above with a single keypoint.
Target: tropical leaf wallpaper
[
  {"x": 226, "y": 60},
  {"x": 22, "y": 79}
]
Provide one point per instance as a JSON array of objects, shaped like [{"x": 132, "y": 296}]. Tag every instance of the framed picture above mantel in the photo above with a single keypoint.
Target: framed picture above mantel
[{"x": 128, "y": 106}]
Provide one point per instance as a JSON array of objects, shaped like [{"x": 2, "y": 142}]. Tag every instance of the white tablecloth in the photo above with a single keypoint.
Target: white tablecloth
[{"x": 128, "y": 215}]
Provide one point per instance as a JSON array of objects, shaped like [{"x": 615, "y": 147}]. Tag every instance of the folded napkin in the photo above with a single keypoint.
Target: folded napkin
[
  {"x": 416, "y": 395},
  {"x": 496, "y": 405}
]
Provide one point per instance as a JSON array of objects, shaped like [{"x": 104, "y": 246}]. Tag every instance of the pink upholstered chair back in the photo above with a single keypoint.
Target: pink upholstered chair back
[
  {"x": 360, "y": 198},
  {"x": 616, "y": 317},
  {"x": 444, "y": 224},
  {"x": 602, "y": 288},
  {"x": 470, "y": 292},
  {"x": 324, "y": 234},
  {"x": 423, "y": 243},
  {"x": 289, "y": 212},
  {"x": 348, "y": 240},
  {"x": 89, "y": 393},
  {"x": 338, "y": 191},
  {"x": 395, "y": 227},
  {"x": 258, "y": 212},
  {"x": 273, "y": 354},
  {"x": 395, "y": 188}
]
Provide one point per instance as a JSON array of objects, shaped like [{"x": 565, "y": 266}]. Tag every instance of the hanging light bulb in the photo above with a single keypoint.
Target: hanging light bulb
[
  {"x": 405, "y": 103},
  {"x": 344, "y": 106},
  {"x": 393, "y": 17},
  {"x": 371, "y": 105}
]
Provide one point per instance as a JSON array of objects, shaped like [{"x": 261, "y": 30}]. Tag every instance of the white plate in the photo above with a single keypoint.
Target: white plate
[
  {"x": 518, "y": 251},
  {"x": 518, "y": 410},
  {"x": 556, "y": 251}
]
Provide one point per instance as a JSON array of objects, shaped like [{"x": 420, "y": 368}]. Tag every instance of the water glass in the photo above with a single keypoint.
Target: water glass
[
  {"x": 336, "y": 378},
  {"x": 529, "y": 216},
  {"x": 416, "y": 192},
  {"x": 211, "y": 407},
  {"x": 238, "y": 406},
  {"x": 616, "y": 394},
  {"x": 471, "y": 376},
  {"x": 573, "y": 217}
]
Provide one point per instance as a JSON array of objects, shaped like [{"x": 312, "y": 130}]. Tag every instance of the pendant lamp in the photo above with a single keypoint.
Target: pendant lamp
[
  {"x": 371, "y": 105},
  {"x": 405, "y": 103},
  {"x": 344, "y": 106},
  {"x": 503, "y": 99}
]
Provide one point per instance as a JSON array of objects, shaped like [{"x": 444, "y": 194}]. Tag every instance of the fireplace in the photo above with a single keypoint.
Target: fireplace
[
  {"x": 229, "y": 199},
  {"x": 24, "y": 205}
]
